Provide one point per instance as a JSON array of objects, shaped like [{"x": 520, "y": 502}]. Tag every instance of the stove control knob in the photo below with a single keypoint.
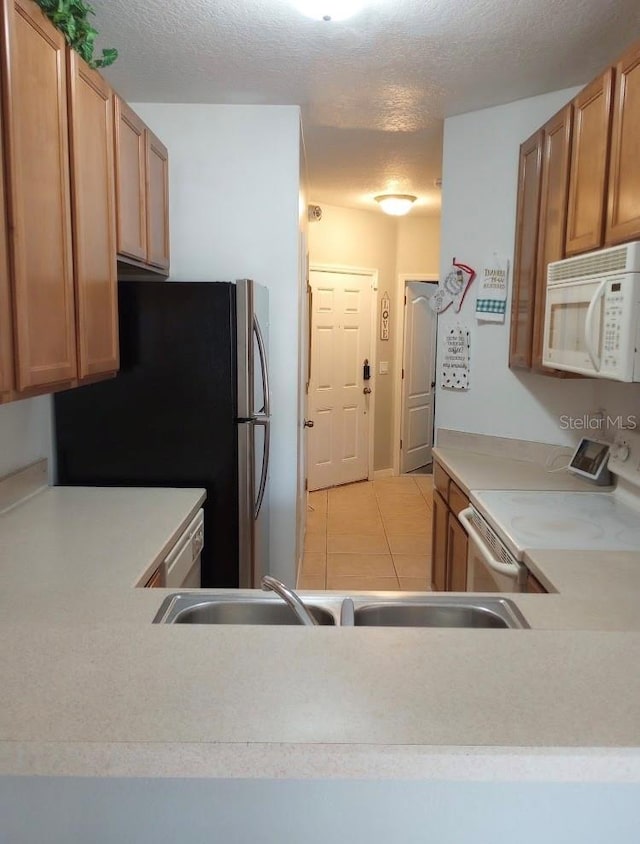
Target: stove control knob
[{"x": 622, "y": 453}]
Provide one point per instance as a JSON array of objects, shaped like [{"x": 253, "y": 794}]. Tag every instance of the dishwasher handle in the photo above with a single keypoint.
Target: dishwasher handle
[{"x": 506, "y": 569}]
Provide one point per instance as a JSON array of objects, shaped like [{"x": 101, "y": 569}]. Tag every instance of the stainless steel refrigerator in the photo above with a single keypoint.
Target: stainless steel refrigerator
[{"x": 190, "y": 407}]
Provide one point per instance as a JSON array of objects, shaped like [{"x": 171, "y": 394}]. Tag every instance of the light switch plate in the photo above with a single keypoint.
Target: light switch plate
[{"x": 384, "y": 367}]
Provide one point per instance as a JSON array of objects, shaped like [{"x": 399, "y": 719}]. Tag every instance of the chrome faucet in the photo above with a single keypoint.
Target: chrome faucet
[{"x": 290, "y": 597}]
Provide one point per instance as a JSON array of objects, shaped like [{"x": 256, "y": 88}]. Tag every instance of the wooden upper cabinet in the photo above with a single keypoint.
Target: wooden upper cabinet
[
  {"x": 526, "y": 246},
  {"x": 6, "y": 332},
  {"x": 131, "y": 192},
  {"x": 157, "y": 202},
  {"x": 37, "y": 158},
  {"x": 94, "y": 218},
  {"x": 623, "y": 215},
  {"x": 554, "y": 193},
  {"x": 589, "y": 165}
]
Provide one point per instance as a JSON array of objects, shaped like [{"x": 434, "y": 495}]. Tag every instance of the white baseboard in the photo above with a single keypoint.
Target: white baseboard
[{"x": 383, "y": 473}]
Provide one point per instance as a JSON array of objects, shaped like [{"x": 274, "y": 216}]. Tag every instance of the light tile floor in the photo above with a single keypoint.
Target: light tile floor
[{"x": 371, "y": 535}]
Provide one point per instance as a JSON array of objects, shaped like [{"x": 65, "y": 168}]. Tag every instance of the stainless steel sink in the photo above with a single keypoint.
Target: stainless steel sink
[
  {"x": 493, "y": 613},
  {"x": 405, "y": 610},
  {"x": 227, "y": 609}
]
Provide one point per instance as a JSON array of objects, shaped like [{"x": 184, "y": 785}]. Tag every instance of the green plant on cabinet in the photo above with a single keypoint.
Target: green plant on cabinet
[{"x": 71, "y": 17}]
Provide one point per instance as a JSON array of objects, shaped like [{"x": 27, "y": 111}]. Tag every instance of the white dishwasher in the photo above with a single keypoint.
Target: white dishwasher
[{"x": 182, "y": 565}]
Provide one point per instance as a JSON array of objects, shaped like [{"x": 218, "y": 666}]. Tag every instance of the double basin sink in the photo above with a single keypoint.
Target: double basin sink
[{"x": 328, "y": 609}]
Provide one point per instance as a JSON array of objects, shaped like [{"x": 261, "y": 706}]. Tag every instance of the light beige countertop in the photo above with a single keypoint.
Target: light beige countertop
[
  {"x": 91, "y": 688},
  {"x": 473, "y": 470},
  {"x": 614, "y": 575}
]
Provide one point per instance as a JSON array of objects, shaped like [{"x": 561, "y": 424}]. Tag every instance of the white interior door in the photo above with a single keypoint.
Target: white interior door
[
  {"x": 338, "y": 406},
  {"x": 418, "y": 376}
]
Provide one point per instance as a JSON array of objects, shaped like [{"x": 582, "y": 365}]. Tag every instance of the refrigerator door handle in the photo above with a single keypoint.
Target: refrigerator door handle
[
  {"x": 265, "y": 422},
  {"x": 264, "y": 367}
]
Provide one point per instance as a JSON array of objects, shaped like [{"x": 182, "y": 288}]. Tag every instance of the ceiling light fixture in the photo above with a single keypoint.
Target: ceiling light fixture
[
  {"x": 329, "y": 10},
  {"x": 396, "y": 204}
]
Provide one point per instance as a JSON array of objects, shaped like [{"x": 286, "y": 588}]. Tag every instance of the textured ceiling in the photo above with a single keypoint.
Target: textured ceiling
[{"x": 373, "y": 90}]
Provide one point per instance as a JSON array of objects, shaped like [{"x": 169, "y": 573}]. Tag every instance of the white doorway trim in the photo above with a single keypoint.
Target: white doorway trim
[
  {"x": 373, "y": 275},
  {"x": 398, "y": 352}
]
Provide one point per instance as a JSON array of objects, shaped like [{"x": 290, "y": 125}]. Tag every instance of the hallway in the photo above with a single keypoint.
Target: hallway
[{"x": 373, "y": 535}]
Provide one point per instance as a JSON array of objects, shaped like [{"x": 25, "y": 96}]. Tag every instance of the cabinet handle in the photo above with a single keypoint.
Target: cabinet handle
[{"x": 588, "y": 324}]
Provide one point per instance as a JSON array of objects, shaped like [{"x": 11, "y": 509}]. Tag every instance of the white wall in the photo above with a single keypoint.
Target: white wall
[
  {"x": 234, "y": 205},
  {"x": 418, "y": 245},
  {"x": 25, "y": 433},
  {"x": 480, "y": 171}
]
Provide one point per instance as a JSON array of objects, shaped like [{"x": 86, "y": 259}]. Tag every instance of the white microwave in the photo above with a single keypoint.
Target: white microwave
[{"x": 592, "y": 314}]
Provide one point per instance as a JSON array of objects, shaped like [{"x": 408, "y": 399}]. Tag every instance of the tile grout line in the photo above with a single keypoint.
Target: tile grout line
[{"x": 386, "y": 539}]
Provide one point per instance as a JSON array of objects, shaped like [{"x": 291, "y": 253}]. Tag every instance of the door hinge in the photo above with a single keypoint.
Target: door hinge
[
  {"x": 405, "y": 300},
  {"x": 306, "y": 485},
  {"x": 403, "y": 374},
  {"x": 400, "y": 445}
]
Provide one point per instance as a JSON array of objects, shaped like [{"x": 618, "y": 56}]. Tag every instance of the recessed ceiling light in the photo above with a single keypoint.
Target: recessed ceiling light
[
  {"x": 329, "y": 10},
  {"x": 396, "y": 204}
]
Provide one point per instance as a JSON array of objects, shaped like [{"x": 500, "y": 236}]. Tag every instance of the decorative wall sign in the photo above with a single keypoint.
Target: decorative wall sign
[
  {"x": 385, "y": 308},
  {"x": 453, "y": 289},
  {"x": 491, "y": 301},
  {"x": 454, "y": 369}
]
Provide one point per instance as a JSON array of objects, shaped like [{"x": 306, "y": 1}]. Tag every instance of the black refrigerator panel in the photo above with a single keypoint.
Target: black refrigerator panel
[{"x": 168, "y": 418}]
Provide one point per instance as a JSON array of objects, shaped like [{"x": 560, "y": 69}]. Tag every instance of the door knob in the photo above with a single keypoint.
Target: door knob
[
  {"x": 366, "y": 391},
  {"x": 308, "y": 423}
]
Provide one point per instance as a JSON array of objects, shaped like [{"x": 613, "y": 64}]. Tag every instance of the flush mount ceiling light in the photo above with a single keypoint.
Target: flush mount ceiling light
[
  {"x": 396, "y": 204},
  {"x": 329, "y": 10}
]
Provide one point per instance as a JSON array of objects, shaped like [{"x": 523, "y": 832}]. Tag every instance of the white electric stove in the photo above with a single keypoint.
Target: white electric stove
[{"x": 503, "y": 524}]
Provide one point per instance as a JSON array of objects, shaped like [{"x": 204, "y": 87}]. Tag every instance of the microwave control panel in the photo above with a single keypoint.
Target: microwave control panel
[{"x": 619, "y": 337}]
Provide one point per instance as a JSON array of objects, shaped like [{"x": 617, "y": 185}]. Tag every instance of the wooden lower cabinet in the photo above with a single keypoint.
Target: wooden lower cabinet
[
  {"x": 457, "y": 545},
  {"x": 439, "y": 543},
  {"x": 156, "y": 581},
  {"x": 449, "y": 540},
  {"x": 534, "y": 585}
]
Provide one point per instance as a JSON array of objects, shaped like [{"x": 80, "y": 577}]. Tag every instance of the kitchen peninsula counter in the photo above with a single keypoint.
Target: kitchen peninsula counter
[{"x": 90, "y": 687}]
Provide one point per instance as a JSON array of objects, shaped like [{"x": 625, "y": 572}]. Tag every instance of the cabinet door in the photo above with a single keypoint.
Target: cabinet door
[
  {"x": 623, "y": 217},
  {"x": 156, "y": 580},
  {"x": 39, "y": 206},
  {"x": 534, "y": 585},
  {"x": 6, "y": 333},
  {"x": 130, "y": 182},
  {"x": 157, "y": 202},
  {"x": 94, "y": 218},
  {"x": 439, "y": 544},
  {"x": 589, "y": 165},
  {"x": 456, "y": 556},
  {"x": 526, "y": 246},
  {"x": 441, "y": 481},
  {"x": 552, "y": 229}
]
